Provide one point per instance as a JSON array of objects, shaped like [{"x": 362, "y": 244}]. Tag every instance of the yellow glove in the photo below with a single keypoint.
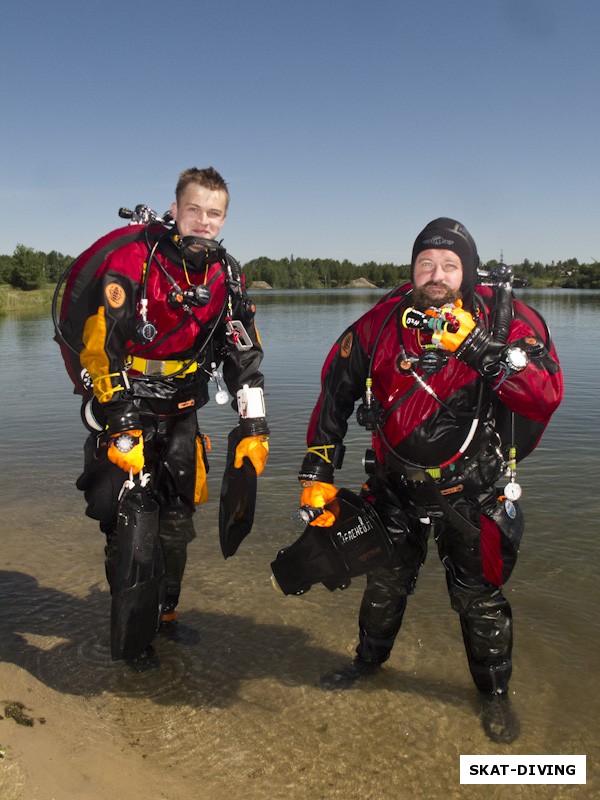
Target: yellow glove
[
  {"x": 126, "y": 450},
  {"x": 317, "y": 495},
  {"x": 254, "y": 448},
  {"x": 449, "y": 340}
]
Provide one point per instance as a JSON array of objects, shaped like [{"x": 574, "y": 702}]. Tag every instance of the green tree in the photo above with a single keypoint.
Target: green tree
[
  {"x": 56, "y": 264},
  {"x": 28, "y": 268},
  {"x": 6, "y": 266},
  {"x": 588, "y": 277}
]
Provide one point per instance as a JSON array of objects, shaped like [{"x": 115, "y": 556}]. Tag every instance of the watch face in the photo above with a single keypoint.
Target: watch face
[
  {"x": 516, "y": 359},
  {"x": 125, "y": 443}
]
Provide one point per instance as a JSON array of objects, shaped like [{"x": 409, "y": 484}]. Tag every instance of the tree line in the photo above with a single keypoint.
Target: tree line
[
  {"x": 29, "y": 269},
  {"x": 306, "y": 273}
]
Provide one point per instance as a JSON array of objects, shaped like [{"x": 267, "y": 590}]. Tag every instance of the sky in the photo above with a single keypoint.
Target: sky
[{"x": 341, "y": 127}]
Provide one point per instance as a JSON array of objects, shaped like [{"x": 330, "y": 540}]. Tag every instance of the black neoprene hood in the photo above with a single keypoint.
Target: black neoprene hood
[{"x": 444, "y": 233}]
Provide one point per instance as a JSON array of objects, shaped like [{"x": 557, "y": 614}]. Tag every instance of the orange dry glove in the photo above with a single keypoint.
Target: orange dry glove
[
  {"x": 449, "y": 340},
  {"x": 126, "y": 450},
  {"x": 254, "y": 448},
  {"x": 316, "y": 495}
]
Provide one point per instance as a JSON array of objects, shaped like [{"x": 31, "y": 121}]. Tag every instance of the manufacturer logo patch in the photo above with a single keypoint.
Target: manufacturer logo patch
[
  {"x": 115, "y": 295},
  {"x": 346, "y": 346},
  {"x": 437, "y": 241}
]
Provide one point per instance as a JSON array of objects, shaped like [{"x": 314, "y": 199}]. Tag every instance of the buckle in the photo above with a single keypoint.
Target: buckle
[{"x": 155, "y": 367}]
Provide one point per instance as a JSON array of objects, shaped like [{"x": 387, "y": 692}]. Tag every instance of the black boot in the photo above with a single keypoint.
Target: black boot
[
  {"x": 347, "y": 676},
  {"x": 498, "y": 718},
  {"x": 146, "y": 660},
  {"x": 174, "y": 630}
]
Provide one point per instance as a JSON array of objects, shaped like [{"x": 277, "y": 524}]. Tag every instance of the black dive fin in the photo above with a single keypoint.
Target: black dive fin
[
  {"x": 238, "y": 499},
  {"x": 139, "y": 588},
  {"x": 356, "y": 543}
]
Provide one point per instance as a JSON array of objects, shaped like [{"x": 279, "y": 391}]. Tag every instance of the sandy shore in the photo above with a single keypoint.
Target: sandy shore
[{"x": 48, "y": 760}]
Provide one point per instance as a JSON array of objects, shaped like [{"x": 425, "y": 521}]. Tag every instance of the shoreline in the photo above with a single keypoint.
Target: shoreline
[
  {"x": 35, "y": 300},
  {"x": 46, "y": 758}
]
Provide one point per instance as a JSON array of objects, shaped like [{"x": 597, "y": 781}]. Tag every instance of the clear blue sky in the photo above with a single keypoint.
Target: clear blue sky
[{"x": 342, "y": 127}]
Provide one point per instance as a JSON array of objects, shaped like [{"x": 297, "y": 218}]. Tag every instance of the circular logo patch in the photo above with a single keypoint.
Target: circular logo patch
[
  {"x": 346, "y": 345},
  {"x": 115, "y": 295}
]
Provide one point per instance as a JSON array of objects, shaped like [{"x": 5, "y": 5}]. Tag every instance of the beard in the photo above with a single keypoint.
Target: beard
[{"x": 423, "y": 298}]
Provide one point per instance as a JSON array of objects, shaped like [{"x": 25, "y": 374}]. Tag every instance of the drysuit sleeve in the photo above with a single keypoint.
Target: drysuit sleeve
[
  {"x": 242, "y": 366},
  {"x": 535, "y": 391},
  {"x": 105, "y": 335},
  {"x": 342, "y": 383}
]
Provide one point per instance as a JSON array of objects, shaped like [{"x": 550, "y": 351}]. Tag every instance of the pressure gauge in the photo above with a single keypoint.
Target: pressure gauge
[{"x": 512, "y": 490}]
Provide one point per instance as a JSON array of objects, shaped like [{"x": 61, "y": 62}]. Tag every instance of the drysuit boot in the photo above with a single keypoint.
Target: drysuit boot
[
  {"x": 346, "y": 677},
  {"x": 498, "y": 718},
  {"x": 173, "y": 629},
  {"x": 179, "y": 632},
  {"x": 176, "y": 535},
  {"x": 146, "y": 660}
]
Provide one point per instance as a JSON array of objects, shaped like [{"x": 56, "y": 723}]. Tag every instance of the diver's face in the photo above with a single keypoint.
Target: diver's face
[
  {"x": 437, "y": 275},
  {"x": 200, "y": 211}
]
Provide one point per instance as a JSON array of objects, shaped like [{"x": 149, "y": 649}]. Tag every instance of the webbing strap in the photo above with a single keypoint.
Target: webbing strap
[{"x": 165, "y": 368}]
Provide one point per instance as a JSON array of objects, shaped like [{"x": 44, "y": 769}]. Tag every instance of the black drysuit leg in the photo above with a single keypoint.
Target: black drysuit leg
[
  {"x": 171, "y": 450},
  {"x": 485, "y": 614},
  {"x": 385, "y": 597},
  {"x": 170, "y": 458}
]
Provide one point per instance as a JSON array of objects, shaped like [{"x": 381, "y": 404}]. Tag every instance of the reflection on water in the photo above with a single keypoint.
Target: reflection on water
[{"x": 240, "y": 708}]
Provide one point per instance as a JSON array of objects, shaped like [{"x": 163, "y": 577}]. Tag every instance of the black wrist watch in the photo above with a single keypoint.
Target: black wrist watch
[
  {"x": 516, "y": 359},
  {"x": 125, "y": 442}
]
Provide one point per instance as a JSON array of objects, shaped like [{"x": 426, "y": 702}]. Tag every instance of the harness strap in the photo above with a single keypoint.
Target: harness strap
[
  {"x": 453, "y": 516},
  {"x": 427, "y": 496},
  {"x": 150, "y": 367}
]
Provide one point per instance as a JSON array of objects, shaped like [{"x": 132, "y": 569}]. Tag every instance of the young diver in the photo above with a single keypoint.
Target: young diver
[{"x": 149, "y": 313}]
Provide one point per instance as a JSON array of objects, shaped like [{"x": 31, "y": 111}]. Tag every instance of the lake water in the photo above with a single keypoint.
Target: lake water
[{"x": 241, "y": 708}]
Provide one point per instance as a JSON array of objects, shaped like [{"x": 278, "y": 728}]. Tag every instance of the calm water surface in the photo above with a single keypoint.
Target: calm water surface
[{"x": 240, "y": 709}]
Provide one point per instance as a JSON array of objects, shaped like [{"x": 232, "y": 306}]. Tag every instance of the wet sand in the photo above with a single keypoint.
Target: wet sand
[
  {"x": 239, "y": 712},
  {"x": 51, "y": 760}
]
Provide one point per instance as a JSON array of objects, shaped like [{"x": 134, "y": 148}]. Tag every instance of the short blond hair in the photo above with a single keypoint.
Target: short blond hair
[{"x": 209, "y": 178}]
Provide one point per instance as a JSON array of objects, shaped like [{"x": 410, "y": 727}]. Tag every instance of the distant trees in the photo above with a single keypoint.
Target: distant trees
[
  {"x": 321, "y": 273},
  {"x": 5, "y": 268},
  {"x": 587, "y": 276},
  {"x": 29, "y": 269}
]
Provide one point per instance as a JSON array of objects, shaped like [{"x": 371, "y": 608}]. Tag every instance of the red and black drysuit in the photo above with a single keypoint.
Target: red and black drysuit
[
  {"x": 131, "y": 389},
  {"x": 418, "y": 473}
]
